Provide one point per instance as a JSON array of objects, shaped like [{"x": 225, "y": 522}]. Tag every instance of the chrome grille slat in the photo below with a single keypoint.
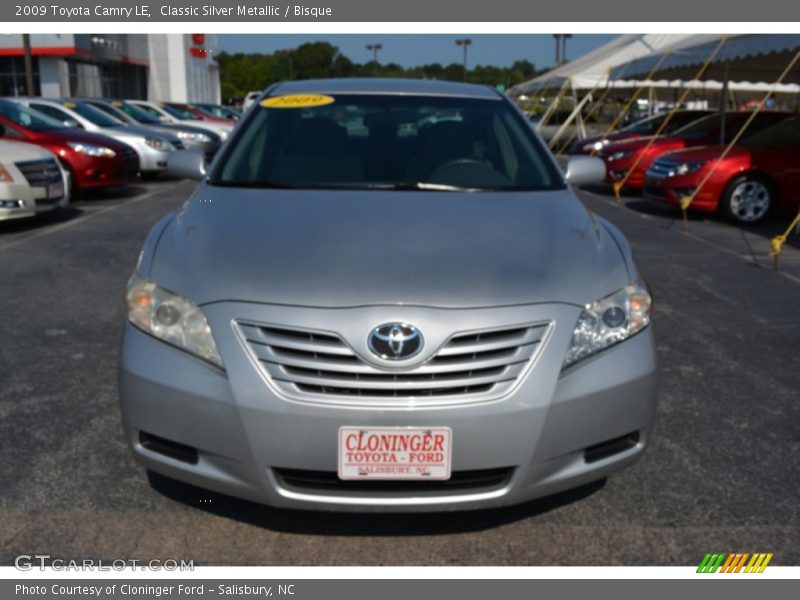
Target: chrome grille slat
[
  {"x": 399, "y": 381},
  {"x": 40, "y": 173},
  {"x": 282, "y": 339},
  {"x": 469, "y": 366}
]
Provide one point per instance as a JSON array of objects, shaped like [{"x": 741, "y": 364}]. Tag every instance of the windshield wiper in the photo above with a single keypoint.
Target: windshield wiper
[
  {"x": 260, "y": 184},
  {"x": 421, "y": 185}
]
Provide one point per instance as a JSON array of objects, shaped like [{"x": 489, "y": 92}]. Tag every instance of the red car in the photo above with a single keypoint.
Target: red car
[
  {"x": 761, "y": 172},
  {"x": 646, "y": 126},
  {"x": 91, "y": 159},
  {"x": 197, "y": 112},
  {"x": 620, "y": 157}
]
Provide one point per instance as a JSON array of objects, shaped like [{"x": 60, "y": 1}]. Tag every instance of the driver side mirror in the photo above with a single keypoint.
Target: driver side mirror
[
  {"x": 71, "y": 123},
  {"x": 585, "y": 170},
  {"x": 186, "y": 164}
]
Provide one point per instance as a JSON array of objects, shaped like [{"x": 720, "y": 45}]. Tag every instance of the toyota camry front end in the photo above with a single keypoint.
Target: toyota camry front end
[{"x": 384, "y": 295}]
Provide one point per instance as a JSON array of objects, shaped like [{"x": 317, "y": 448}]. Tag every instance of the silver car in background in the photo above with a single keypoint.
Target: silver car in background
[
  {"x": 173, "y": 115},
  {"x": 193, "y": 138},
  {"x": 152, "y": 147},
  {"x": 385, "y": 296}
]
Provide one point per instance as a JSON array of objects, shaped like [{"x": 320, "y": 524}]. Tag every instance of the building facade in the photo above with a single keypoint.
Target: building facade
[{"x": 169, "y": 67}]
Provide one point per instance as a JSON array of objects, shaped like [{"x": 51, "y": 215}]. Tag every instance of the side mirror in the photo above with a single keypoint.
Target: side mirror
[
  {"x": 186, "y": 164},
  {"x": 71, "y": 123},
  {"x": 585, "y": 170}
]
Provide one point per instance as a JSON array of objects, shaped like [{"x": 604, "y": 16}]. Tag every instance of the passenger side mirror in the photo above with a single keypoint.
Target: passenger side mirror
[
  {"x": 186, "y": 164},
  {"x": 585, "y": 170}
]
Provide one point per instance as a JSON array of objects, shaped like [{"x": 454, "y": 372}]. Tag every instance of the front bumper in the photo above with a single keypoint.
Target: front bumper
[
  {"x": 245, "y": 433},
  {"x": 27, "y": 201}
]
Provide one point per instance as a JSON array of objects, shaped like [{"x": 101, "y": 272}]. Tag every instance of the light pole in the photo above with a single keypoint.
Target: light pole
[
  {"x": 557, "y": 37},
  {"x": 564, "y": 38},
  {"x": 466, "y": 43},
  {"x": 26, "y": 52},
  {"x": 374, "y": 49}
]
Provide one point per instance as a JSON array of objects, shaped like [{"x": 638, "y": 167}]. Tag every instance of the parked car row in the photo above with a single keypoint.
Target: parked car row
[
  {"x": 760, "y": 173},
  {"x": 90, "y": 143}
]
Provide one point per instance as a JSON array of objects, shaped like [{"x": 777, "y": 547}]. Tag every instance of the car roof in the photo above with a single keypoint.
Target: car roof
[{"x": 355, "y": 85}]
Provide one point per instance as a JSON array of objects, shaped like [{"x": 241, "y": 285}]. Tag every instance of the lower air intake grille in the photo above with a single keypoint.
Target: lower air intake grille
[
  {"x": 328, "y": 481},
  {"x": 477, "y": 365}
]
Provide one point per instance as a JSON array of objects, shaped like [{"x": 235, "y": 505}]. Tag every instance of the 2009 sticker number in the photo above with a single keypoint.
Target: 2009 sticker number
[{"x": 297, "y": 101}]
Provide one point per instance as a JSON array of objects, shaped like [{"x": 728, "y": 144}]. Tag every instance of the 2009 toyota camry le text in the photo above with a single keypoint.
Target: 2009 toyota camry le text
[{"x": 384, "y": 295}]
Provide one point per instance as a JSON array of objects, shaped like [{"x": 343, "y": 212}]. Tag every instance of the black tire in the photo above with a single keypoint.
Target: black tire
[{"x": 748, "y": 199}]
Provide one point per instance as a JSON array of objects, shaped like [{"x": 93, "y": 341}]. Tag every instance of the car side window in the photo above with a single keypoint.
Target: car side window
[{"x": 52, "y": 111}]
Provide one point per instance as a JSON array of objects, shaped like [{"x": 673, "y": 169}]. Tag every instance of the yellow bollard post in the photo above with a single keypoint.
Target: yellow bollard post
[{"x": 779, "y": 240}]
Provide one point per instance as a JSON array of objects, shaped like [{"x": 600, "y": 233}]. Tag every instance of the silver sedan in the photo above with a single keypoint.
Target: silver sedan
[{"x": 384, "y": 295}]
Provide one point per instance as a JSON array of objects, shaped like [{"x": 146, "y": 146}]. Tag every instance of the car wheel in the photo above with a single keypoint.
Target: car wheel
[{"x": 747, "y": 199}]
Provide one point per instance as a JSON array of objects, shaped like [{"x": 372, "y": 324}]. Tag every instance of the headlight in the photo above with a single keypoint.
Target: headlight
[
  {"x": 156, "y": 143},
  {"x": 189, "y": 136},
  {"x": 689, "y": 167},
  {"x": 92, "y": 149},
  {"x": 609, "y": 321},
  {"x": 620, "y": 154},
  {"x": 5, "y": 176},
  {"x": 170, "y": 318},
  {"x": 596, "y": 146}
]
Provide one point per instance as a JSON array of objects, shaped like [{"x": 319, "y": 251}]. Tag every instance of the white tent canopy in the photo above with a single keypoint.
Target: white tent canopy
[
  {"x": 754, "y": 60},
  {"x": 591, "y": 71}
]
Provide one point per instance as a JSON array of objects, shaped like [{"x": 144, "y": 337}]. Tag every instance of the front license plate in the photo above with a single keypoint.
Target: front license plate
[
  {"x": 55, "y": 190},
  {"x": 395, "y": 452}
]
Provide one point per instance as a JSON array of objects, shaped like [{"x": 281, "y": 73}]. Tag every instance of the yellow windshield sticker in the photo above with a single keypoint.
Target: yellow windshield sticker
[
  {"x": 69, "y": 104},
  {"x": 116, "y": 103},
  {"x": 297, "y": 101}
]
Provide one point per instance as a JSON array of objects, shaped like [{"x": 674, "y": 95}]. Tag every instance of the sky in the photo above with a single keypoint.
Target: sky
[{"x": 411, "y": 50}]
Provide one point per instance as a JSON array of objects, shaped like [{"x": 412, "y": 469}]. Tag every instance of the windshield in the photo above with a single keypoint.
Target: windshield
[
  {"x": 137, "y": 114},
  {"x": 733, "y": 122},
  {"x": 112, "y": 112},
  {"x": 780, "y": 135},
  {"x": 179, "y": 113},
  {"x": 94, "y": 115},
  {"x": 28, "y": 118},
  {"x": 389, "y": 142},
  {"x": 216, "y": 111},
  {"x": 148, "y": 110},
  {"x": 678, "y": 120},
  {"x": 648, "y": 125}
]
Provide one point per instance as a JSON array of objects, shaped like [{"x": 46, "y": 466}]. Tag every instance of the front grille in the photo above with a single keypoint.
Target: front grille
[
  {"x": 469, "y": 366},
  {"x": 661, "y": 168},
  {"x": 177, "y": 144},
  {"x": 40, "y": 173},
  {"x": 328, "y": 481}
]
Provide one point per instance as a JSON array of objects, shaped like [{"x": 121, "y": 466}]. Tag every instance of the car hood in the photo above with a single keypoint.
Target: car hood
[
  {"x": 12, "y": 151},
  {"x": 140, "y": 131},
  {"x": 86, "y": 137},
  {"x": 353, "y": 248},
  {"x": 703, "y": 153}
]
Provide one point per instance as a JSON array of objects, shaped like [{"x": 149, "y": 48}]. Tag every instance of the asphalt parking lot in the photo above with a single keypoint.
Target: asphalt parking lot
[{"x": 722, "y": 473}]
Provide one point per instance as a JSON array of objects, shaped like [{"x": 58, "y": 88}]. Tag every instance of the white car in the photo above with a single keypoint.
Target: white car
[
  {"x": 250, "y": 99},
  {"x": 174, "y": 115},
  {"x": 31, "y": 181}
]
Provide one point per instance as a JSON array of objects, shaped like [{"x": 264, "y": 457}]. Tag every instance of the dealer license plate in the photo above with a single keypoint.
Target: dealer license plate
[
  {"x": 395, "y": 452},
  {"x": 55, "y": 190}
]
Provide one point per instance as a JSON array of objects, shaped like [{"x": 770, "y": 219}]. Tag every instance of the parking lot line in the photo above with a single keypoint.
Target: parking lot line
[
  {"x": 748, "y": 259},
  {"x": 93, "y": 213}
]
